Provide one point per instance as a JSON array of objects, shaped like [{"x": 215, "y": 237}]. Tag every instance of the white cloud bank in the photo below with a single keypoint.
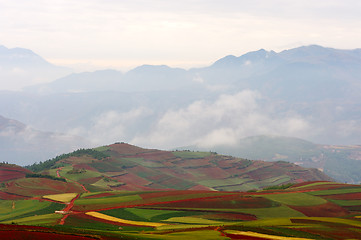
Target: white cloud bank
[{"x": 223, "y": 121}]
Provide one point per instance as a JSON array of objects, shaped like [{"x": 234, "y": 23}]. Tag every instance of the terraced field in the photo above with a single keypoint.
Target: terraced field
[
  {"x": 304, "y": 211},
  {"x": 125, "y": 167},
  {"x": 126, "y": 192}
]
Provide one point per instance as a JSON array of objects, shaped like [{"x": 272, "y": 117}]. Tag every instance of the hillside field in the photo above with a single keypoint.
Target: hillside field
[{"x": 313, "y": 210}]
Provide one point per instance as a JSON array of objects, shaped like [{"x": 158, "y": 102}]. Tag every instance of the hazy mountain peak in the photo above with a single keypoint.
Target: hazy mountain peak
[
  {"x": 6, "y": 123},
  {"x": 245, "y": 59}
]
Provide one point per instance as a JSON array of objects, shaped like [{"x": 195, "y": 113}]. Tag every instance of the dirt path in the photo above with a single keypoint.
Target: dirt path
[{"x": 67, "y": 209}]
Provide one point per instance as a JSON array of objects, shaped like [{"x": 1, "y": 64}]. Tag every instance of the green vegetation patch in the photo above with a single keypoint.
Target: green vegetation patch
[
  {"x": 346, "y": 203},
  {"x": 105, "y": 166},
  {"x": 51, "y": 163},
  {"x": 143, "y": 162},
  {"x": 275, "y": 181},
  {"x": 155, "y": 215},
  {"x": 223, "y": 182},
  {"x": 191, "y": 155},
  {"x": 296, "y": 199},
  {"x": 110, "y": 200},
  {"x": 68, "y": 172},
  {"x": 35, "y": 175},
  {"x": 45, "y": 219},
  {"x": 336, "y": 191},
  {"x": 193, "y": 220},
  {"x": 314, "y": 184},
  {"x": 11, "y": 210},
  {"x": 102, "y": 148},
  {"x": 279, "y": 212},
  {"x": 176, "y": 235}
]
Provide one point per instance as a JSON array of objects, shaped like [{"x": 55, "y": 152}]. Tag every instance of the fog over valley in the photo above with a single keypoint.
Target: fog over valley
[{"x": 309, "y": 92}]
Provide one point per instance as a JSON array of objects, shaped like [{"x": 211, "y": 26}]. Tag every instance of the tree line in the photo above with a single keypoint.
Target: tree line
[{"x": 48, "y": 164}]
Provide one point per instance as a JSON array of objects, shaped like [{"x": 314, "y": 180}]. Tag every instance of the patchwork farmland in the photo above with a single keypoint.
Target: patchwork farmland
[{"x": 174, "y": 195}]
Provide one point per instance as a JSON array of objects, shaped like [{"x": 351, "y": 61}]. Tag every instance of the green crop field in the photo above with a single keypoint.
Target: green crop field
[
  {"x": 78, "y": 176},
  {"x": 191, "y": 155},
  {"x": 272, "y": 212},
  {"x": 12, "y": 210},
  {"x": 296, "y": 199},
  {"x": 44, "y": 219},
  {"x": 346, "y": 202},
  {"x": 336, "y": 191},
  {"x": 106, "y": 201}
]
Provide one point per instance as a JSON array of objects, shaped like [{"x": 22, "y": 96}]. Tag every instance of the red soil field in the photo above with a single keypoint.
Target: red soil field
[
  {"x": 127, "y": 149},
  {"x": 18, "y": 232},
  {"x": 156, "y": 155},
  {"x": 8, "y": 196},
  {"x": 243, "y": 237},
  {"x": 132, "y": 187},
  {"x": 210, "y": 172},
  {"x": 177, "y": 173},
  {"x": 334, "y": 232},
  {"x": 132, "y": 178},
  {"x": 90, "y": 180},
  {"x": 193, "y": 162},
  {"x": 8, "y": 173},
  {"x": 33, "y": 187},
  {"x": 325, "y": 210}
]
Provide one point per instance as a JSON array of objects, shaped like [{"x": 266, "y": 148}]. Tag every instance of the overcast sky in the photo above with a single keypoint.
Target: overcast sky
[{"x": 96, "y": 34}]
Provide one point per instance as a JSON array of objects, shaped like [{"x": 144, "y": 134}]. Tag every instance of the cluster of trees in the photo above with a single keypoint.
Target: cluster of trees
[
  {"x": 280, "y": 187},
  {"x": 36, "y": 175},
  {"x": 37, "y": 167}
]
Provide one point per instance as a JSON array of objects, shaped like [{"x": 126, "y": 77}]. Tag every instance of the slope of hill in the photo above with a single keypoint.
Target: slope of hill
[
  {"x": 21, "y": 144},
  {"x": 339, "y": 162},
  {"x": 126, "y": 167}
]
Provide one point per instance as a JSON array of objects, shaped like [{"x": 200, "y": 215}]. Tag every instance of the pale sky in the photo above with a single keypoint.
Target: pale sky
[{"x": 121, "y": 34}]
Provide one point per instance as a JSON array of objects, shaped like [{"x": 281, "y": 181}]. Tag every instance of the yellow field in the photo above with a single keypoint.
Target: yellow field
[
  {"x": 261, "y": 235},
  {"x": 114, "y": 219},
  {"x": 64, "y": 197}
]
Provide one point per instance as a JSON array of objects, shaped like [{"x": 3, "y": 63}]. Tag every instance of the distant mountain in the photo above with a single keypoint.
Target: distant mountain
[
  {"x": 342, "y": 163},
  {"x": 21, "y": 67},
  {"x": 23, "y": 145},
  {"x": 310, "y": 92},
  {"x": 126, "y": 167},
  {"x": 144, "y": 78}
]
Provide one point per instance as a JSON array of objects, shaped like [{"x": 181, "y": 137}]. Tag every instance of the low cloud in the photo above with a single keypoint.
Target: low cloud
[
  {"x": 222, "y": 121},
  {"x": 113, "y": 126}
]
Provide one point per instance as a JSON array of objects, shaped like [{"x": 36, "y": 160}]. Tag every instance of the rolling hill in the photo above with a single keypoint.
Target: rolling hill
[
  {"x": 121, "y": 191},
  {"x": 122, "y": 166},
  {"x": 339, "y": 162}
]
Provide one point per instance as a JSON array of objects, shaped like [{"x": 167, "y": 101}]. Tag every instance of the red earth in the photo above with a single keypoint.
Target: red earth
[
  {"x": 19, "y": 232},
  {"x": 325, "y": 210}
]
